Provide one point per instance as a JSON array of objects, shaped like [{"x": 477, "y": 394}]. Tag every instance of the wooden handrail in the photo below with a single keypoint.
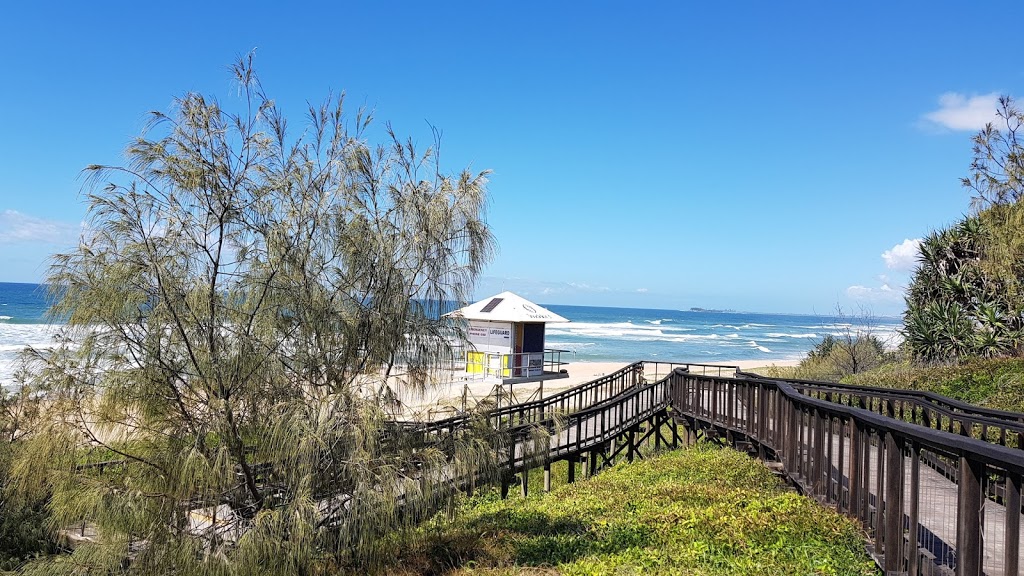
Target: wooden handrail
[{"x": 860, "y": 461}]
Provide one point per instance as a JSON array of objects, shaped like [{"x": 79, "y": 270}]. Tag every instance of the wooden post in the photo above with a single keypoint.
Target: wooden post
[
  {"x": 631, "y": 444},
  {"x": 856, "y": 469},
  {"x": 714, "y": 401},
  {"x": 893, "y": 506},
  {"x": 749, "y": 415},
  {"x": 915, "y": 497},
  {"x": 830, "y": 495},
  {"x": 547, "y": 476},
  {"x": 730, "y": 404},
  {"x": 969, "y": 519},
  {"x": 524, "y": 480},
  {"x": 879, "y": 484},
  {"x": 762, "y": 420},
  {"x": 865, "y": 479},
  {"x": 793, "y": 438},
  {"x": 572, "y": 468},
  {"x": 817, "y": 428},
  {"x": 656, "y": 424},
  {"x": 842, "y": 504},
  {"x": 1011, "y": 543}
]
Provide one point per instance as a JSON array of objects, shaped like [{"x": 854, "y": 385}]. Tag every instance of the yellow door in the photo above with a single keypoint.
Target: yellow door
[{"x": 475, "y": 362}]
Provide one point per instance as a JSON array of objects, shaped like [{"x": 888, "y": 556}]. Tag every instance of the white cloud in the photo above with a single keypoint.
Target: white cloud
[
  {"x": 882, "y": 294},
  {"x": 961, "y": 112},
  {"x": 858, "y": 292},
  {"x": 902, "y": 256},
  {"x": 588, "y": 288},
  {"x": 641, "y": 290},
  {"x": 17, "y": 227}
]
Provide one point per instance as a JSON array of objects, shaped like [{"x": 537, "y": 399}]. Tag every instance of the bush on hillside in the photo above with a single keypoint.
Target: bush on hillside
[
  {"x": 991, "y": 382},
  {"x": 836, "y": 357}
]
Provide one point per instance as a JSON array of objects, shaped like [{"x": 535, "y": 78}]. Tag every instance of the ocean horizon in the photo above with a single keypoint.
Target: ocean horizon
[{"x": 594, "y": 333}]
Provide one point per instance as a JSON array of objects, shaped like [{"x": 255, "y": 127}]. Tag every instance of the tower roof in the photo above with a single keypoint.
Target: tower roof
[{"x": 507, "y": 307}]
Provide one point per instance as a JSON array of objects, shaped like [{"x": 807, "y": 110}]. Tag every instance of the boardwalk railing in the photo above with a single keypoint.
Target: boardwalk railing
[
  {"x": 934, "y": 492},
  {"x": 592, "y": 424},
  {"x": 924, "y": 408},
  {"x": 538, "y": 411}
]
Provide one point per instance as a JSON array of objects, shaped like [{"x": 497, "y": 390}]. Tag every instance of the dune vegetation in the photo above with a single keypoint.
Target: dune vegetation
[{"x": 699, "y": 510}]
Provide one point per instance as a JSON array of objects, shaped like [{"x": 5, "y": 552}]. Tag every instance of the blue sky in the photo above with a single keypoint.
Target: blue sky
[{"x": 750, "y": 155}]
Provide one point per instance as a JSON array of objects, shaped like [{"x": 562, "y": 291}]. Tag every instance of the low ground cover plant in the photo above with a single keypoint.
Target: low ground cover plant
[{"x": 701, "y": 510}]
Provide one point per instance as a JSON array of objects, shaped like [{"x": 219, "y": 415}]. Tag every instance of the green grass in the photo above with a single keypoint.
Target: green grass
[
  {"x": 774, "y": 371},
  {"x": 702, "y": 510}
]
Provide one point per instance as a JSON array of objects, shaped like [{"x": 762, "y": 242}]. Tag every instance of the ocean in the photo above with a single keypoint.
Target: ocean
[
  {"x": 23, "y": 322},
  {"x": 628, "y": 334},
  {"x": 596, "y": 334}
]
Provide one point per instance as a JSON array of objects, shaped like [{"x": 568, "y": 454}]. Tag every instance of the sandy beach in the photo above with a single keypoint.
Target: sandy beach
[{"x": 452, "y": 396}]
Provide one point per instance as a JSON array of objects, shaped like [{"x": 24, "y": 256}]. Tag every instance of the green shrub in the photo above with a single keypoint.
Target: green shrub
[{"x": 992, "y": 382}]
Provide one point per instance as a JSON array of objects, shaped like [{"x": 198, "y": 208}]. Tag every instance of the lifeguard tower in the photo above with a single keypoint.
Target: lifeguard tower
[{"x": 506, "y": 340}]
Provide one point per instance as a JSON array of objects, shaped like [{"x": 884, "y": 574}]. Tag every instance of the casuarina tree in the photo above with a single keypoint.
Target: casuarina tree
[{"x": 238, "y": 312}]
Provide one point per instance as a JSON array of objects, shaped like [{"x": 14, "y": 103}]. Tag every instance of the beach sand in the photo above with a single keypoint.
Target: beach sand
[{"x": 459, "y": 392}]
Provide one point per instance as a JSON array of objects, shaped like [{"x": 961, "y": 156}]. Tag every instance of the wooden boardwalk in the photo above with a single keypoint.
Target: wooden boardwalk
[{"x": 902, "y": 463}]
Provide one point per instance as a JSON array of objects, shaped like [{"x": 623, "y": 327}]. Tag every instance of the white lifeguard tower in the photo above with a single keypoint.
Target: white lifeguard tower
[{"x": 506, "y": 340}]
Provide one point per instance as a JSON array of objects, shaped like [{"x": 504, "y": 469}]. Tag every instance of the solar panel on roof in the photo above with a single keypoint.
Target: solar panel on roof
[{"x": 492, "y": 304}]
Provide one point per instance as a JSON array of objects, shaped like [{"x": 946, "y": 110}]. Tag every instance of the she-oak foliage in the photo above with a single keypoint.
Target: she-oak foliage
[{"x": 234, "y": 313}]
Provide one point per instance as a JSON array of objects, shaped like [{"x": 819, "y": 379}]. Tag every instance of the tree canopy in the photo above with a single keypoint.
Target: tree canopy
[{"x": 220, "y": 401}]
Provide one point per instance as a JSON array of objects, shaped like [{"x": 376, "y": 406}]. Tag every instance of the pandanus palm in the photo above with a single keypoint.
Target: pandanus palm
[{"x": 955, "y": 307}]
